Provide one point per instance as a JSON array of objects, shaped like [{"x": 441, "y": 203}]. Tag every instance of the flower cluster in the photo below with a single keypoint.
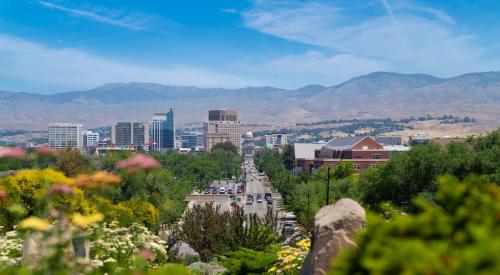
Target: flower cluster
[
  {"x": 290, "y": 259},
  {"x": 120, "y": 244},
  {"x": 138, "y": 162},
  {"x": 10, "y": 248}
]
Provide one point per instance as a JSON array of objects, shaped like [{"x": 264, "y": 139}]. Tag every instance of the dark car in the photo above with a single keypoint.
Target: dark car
[
  {"x": 207, "y": 191},
  {"x": 215, "y": 191},
  {"x": 230, "y": 191},
  {"x": 259, "y": 198}
]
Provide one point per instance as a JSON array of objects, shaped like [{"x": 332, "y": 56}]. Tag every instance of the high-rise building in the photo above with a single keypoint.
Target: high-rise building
[
  {"x": 222, "y": 126},
  {"x": 127, "y": 134},
  {"x": 90, "y": 138},
  {"x": 163, "y": 131},
  {"x": 62, "y": 135}
]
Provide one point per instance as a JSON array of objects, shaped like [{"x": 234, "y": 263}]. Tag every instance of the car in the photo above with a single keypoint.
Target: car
[
  {"x": 230, "y": 191},
  {"x": 249, "y": 200},
  {"x": 222, "y": 190},
  {"x": 259, "y": 198},
  {"x": 207, "y": 191},
  {"x": 215, "y": 191}
]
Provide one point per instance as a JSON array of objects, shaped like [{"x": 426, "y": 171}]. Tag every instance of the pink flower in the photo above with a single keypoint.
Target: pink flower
[
  {"x": 147, "y": 254},
  {"x": 43, "y": 151},
  {"x": 3, "y": 196},
  {"x": 57, "y": 188},
  {"x": 137, "y": 162},
  {"x": 12, "y": 152}
]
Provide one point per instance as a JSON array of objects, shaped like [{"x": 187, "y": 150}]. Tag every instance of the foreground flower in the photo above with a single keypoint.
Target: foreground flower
[
  {"x": 34, "y": 223},
  {"x": 147, "y": 254},
  {"x": 43, "y": 151},
  {"x": 138, "y": 162},
  {"x": 85, "y": 221},
  {"x": 57, "y": 188},
  {"x": 12, "y": 152},
  {"x": 3, "y": 196},
  {"x": 100, "y": 179}
]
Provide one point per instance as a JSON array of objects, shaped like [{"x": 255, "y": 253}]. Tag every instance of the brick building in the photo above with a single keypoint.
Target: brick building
[{"x": 364, "y": 152}]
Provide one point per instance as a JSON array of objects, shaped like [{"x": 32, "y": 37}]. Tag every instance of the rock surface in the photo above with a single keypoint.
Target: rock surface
[{"x": 334, "y": 227}]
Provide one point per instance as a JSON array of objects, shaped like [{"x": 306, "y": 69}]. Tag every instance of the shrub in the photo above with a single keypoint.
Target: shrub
[{"x": 458, "y": 234}]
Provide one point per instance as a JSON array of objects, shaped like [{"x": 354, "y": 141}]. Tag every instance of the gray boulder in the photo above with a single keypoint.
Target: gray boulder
[{"x": 334, "y": 227}]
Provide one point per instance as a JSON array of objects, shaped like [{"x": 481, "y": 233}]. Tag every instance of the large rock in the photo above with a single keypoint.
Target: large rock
[{"x": 334, "y": 227}]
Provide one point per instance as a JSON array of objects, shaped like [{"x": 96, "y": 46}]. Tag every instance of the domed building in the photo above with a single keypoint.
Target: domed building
[{"x": 248, "y": 145}]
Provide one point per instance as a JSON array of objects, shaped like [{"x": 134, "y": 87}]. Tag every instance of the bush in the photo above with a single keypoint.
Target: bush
[
  {"x": 248, "y": 261},
  {"x": 458, "y": 234}
]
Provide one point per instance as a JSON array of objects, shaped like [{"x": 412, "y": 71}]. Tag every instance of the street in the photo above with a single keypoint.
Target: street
[{"x": 255, "y": 184}]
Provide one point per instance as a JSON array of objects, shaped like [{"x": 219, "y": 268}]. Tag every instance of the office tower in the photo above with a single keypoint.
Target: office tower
[
  {"x": 62, "y": 135},
  {"x": 222, "y": 126},
  {"x": 90, "y": 138},
  {"x": 163, "y": 131},
  {"x": 127, "y": 134}
]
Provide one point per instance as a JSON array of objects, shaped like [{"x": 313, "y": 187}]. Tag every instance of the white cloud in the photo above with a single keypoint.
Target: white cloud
[
  {"x": 405, "y": 37},
  {"x": 68, "y": 68},
  {"x": 316, "y": 67},
  {"x": 99, "y": 15}
]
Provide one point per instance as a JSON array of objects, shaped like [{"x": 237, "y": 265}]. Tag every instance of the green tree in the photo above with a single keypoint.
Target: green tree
[
  {"x": 72, "y": 162},
  {"x": 226, "y": 146}
]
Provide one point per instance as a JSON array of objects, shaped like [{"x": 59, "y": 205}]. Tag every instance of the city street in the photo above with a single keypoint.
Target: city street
[{"x": 256, "y": 184}]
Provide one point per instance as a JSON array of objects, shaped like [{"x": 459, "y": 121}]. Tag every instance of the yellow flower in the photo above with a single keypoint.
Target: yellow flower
[
  {"x": 84, "y": 221},
  {"x": 34, "y": 223},
  {"x": 272, "y": 269}
]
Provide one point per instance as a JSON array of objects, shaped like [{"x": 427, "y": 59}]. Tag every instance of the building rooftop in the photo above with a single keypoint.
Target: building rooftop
[
  {"x": 343, "y": 142},
  {"x": 306, "y": 150}
]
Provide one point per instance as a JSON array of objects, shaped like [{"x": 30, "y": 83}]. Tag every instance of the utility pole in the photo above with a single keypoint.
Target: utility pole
[{"x": 328, "y": 186}]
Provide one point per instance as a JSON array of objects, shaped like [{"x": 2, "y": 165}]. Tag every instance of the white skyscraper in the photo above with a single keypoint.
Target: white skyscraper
[{"x": 62, "y": 135}]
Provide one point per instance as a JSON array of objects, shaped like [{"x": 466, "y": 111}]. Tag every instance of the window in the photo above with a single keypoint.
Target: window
[
  {"x": 365, "y": 147},
  {"x": 356, "y": 166},
  {"x": 376, "y": 156}
]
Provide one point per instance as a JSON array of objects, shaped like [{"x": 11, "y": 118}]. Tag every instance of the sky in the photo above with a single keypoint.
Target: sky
[{"x": 53, "y": 46}]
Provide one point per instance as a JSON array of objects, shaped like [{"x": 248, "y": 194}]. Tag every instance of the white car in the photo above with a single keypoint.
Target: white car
[{"x": 222, "y": 190}]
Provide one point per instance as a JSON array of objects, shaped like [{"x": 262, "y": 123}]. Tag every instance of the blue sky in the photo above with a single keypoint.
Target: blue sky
[{"x": 59, "y": 45}]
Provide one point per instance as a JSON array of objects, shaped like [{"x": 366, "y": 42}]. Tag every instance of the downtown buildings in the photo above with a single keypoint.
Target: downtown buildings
[
  {"x": 130, "y": 134},
  {"x": 222, "y": 126},
  {"x": 163, "y": 131},
  {"x": 64, "y": 135}
]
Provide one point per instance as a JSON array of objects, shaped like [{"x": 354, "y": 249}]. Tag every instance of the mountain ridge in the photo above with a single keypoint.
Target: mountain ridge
[{"x": 378, "y": 94}]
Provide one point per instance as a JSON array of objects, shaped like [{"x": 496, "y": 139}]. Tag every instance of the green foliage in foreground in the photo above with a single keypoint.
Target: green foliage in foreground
[
  {"x": 459, "y": 234},
  {"x": 247, "y": 261}
]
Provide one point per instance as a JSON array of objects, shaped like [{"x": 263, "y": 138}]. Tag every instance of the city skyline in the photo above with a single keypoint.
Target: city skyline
[{"x": 239, "y": 43}]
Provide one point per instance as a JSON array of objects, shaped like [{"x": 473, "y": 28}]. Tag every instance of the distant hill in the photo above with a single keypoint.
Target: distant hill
[{"x": 379, "y": 94}]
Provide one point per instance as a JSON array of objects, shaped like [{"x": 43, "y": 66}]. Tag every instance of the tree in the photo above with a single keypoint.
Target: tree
[
  {"x": 226, "y": 146},
  {"x": 72, "y": 162},
  {"x": 343, "y": 170},
  {"x": 288, "y": 156}
]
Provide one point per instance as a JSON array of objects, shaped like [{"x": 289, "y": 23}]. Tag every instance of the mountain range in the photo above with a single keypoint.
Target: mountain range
[{"x": 376, "y": 95}]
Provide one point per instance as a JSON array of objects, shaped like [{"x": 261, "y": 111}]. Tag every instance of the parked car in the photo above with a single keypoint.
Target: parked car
[
  {"x": 215, "y": 191},
  {"x": 230, "y": 191},
  {"x": 222, "y": 190},
  {"x": 207, "y": 191}
]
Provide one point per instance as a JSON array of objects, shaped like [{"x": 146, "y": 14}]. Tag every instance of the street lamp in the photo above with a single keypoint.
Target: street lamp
[{"x": 328, "y": 186}]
